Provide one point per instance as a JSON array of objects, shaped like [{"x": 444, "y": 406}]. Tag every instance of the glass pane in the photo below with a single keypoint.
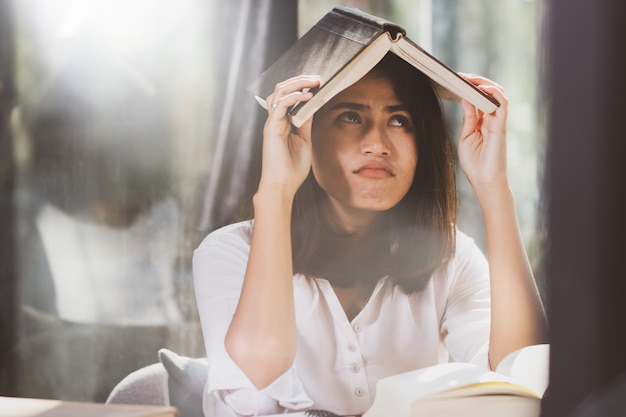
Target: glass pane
[
  {"x": 111, "y": 149},
  {"x": 112, "y": 146}
]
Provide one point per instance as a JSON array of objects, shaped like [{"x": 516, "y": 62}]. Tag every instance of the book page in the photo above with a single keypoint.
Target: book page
[
  {"x": 444, "y": 381},
  {"x": 480, "y": 406},
  {"x": 528, "y": 366},
  {"x": 452, "y": 86}
]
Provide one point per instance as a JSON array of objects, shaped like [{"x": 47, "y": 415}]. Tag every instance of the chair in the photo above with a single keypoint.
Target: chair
[
  {"x": 147, "y": 386},
  {"x": 175, "y": 380}
]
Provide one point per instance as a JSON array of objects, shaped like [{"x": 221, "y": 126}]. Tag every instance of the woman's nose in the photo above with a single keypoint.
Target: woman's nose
[{"x": 375, "y": 142}]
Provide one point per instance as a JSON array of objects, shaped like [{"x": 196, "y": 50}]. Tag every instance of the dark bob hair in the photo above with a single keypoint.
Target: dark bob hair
[{"x": 418, "y": 234}]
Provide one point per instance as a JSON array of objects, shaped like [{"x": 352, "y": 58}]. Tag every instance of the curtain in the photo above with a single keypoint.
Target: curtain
[
  {"x": 260, "y": 32},
  {"x": 8, "y": 279},
  {"x": 124, "y": 151}
]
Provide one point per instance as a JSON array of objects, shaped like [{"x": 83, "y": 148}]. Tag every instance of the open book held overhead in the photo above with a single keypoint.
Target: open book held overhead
[{"x": 343, "y": 47}]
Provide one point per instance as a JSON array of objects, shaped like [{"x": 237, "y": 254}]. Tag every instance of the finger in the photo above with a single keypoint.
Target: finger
[
  {"x": 496, "y": 92},
  {"x": 479, "y": 79},
  {"x": 298, "y": 82},
  {"x": 287, "y": 87},
  {"x": 487, "y": 86},
  {"x": 282, "y": 104}
]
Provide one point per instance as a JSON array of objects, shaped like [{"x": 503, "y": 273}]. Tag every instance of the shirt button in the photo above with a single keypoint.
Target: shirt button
[
  {"x": 351, "y": 347},
  {"x": 357, "y": 327},
  {"x": 359, "y": 392},
  {"x": 355, "y": 368}
]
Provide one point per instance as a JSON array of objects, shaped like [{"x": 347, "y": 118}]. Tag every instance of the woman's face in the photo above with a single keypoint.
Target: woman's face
[{"x": 364, "y": 149}]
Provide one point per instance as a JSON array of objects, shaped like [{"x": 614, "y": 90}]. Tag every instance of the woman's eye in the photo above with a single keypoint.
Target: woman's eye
[
  {"x": 349, "y": 117},
  {"x": 400, "y": 121}
]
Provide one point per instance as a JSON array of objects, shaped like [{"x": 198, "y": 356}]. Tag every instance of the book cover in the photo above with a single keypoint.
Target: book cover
[{"x": 325, "y": 49}]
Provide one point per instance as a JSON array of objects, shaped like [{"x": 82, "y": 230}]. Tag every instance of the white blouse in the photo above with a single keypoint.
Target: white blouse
[{"x": 338, "y": 362}]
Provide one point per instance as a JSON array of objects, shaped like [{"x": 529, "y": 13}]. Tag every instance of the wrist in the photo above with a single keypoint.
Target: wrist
[
  {"x": 273, "y": 198},
  {"x": 279, "y": 187},
  {"x": 494, "y": 193}
]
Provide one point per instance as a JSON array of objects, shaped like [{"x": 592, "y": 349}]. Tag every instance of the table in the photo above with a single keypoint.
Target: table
[{"x": 33, "y": 407}]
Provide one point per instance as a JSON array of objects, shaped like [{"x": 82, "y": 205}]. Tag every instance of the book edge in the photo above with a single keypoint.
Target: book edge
[
  {"x": 355, "y": 69},
  {"x": 477, "y": 381}
]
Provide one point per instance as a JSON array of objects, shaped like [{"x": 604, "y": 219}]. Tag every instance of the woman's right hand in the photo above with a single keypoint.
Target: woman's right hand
[
  {"x": 286, "y": 159},
  {"x": 262, "y": 337}
]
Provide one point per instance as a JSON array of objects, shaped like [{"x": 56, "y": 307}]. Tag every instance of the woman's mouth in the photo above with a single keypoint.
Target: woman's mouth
[{"x": 374, "y": 170}]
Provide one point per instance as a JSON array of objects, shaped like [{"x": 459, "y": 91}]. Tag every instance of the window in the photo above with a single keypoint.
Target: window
[{"x": 113, "y": 142}]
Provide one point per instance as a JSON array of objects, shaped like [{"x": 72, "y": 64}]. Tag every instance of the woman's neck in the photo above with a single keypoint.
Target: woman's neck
[{"x": 350, "y": 223}]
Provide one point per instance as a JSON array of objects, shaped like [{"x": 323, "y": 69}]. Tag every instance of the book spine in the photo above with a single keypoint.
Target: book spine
[
  {"x": 366, "y": 19},
  {"x": 347, "y": 27}
]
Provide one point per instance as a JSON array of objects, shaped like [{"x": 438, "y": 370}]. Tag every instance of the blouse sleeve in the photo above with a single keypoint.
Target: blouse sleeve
[
  {"x": 219, "y": 265},
  {"x": 466, "y": 322}
]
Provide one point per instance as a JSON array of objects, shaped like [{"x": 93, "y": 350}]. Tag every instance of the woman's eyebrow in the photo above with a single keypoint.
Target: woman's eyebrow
[
  {"x": 350, "y": 106},
  {"x": 361, "y": 107}
]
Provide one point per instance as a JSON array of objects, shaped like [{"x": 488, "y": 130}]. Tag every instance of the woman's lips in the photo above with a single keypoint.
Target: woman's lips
[{"x": 374, "y": 170}]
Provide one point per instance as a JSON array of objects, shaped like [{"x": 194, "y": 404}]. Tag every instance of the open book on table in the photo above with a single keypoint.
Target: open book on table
[
  {"x": 343, "y": 46},
  {"x": 456, "y": 389}
]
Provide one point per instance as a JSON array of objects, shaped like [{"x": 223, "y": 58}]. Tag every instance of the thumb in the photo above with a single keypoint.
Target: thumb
[{"x": 471, "y": 119}]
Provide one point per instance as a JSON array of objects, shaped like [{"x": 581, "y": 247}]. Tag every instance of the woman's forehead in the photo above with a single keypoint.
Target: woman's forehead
[{"x": 371, "y": 88}]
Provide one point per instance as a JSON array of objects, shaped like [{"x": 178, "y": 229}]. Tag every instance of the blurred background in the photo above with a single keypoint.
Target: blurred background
[{"x": 127, "y": 135}]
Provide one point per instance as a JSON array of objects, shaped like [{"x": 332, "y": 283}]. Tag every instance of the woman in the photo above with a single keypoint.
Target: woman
[{"x": 353, "y": 269}]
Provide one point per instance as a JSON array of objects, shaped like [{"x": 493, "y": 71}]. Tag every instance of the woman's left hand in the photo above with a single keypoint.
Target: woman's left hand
[
  {"x": 482, "y": 142},
  {"x": 517, "y": 315}
]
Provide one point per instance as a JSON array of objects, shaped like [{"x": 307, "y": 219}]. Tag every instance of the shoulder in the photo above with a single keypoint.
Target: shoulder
[
  {"x": 227, "y": 245},
  {"x": 465, "y": 243},
  {"x": 237, "y": 234},
  {"x": 468, "y": 264},
  {"x": 222, "y": 257}
]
